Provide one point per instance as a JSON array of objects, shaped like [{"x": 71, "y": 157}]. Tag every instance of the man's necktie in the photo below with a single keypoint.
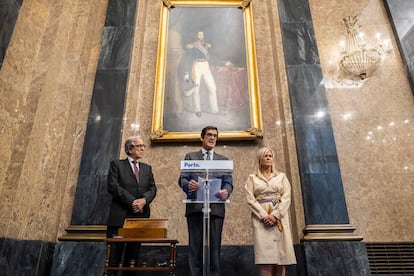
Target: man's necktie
[
  {"x": 208, "y": 155},
  {"x": 136, "y": 170}
]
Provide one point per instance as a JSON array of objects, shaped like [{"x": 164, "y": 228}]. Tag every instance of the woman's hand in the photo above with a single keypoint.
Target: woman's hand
[{"x": 269, "y": 220}]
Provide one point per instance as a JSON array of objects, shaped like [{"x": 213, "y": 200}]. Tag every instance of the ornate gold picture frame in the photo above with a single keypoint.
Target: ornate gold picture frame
[{"x": 206, "y": 72}]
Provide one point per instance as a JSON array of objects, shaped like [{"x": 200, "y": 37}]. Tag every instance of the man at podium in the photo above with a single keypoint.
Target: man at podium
[{"x": 194, "y": 211}]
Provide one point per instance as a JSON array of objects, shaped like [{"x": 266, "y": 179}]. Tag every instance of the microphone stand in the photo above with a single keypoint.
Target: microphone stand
[{"x": 206, "y": 228}]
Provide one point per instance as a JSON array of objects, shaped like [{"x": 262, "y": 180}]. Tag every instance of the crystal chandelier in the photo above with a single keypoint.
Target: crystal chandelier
[{"x": 358, "y": 59}]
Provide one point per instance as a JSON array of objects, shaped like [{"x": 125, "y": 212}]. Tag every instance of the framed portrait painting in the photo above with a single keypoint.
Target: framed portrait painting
[{"x": 206, "y": 72}]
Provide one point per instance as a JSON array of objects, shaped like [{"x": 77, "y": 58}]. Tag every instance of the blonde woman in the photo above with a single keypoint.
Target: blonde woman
[{"x": 268, "y": 197}]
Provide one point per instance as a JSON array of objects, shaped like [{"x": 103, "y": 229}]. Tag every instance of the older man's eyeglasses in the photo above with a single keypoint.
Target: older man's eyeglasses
[{"x": 140, "y": 146}]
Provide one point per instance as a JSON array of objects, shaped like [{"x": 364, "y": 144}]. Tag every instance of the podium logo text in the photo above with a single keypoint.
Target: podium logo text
[{"x": 191, "y": 165}]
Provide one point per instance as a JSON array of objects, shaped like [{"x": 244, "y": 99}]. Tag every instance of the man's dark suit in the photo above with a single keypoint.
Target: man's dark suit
[
  {"x": 123, "y": 187},
  {"x": 194, "y": 216}
]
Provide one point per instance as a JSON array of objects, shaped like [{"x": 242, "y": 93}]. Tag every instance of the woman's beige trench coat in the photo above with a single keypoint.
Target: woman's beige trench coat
[{"x": 270, "y": 245}]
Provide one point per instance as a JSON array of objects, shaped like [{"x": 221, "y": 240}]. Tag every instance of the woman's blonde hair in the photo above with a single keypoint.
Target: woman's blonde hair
[{"x": 259, "y": 155}]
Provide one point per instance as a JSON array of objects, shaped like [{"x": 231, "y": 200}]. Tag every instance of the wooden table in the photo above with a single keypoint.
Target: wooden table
[{"x": 172, "y": 243}]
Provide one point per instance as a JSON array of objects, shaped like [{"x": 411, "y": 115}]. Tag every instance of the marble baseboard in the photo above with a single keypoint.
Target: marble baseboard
[
  {"x": 39, "y": 258},
  {"x": 25, "y": 257},
  {"x": 79, "y": 258},
  {"x": 336, "y": 258}
]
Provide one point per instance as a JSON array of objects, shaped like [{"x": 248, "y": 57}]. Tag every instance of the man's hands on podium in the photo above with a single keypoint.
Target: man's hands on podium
[
  {"x": 194, "y": 186},
  {"x": 222, "y": 194}
]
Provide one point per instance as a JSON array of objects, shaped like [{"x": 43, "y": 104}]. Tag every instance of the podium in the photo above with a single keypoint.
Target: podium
[
  {"x": 209, "y": 174},
  {"x": 143, "y": 231}
]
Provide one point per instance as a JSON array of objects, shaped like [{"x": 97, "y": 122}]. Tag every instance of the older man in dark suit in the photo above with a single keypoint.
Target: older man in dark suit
[
  {"x": 132, "y": 186},
  {"x": 194, "y": 212}
]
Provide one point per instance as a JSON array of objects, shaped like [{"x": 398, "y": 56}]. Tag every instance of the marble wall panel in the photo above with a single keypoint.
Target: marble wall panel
[
  {"x": 402, "y": 20},
  {"x": 116, "y": 43},
  {"x": 44, "y": 79},
  {"x": 17, "y": 114},
  {"x": 372, "y": 122},
  {"x": 9, "y": 11},
  {"x": 314, "y": 136},
  {"x": 105, "y": 119},
  {"x": 300, "y": 34},
  {"x": 283, "y": 121}
]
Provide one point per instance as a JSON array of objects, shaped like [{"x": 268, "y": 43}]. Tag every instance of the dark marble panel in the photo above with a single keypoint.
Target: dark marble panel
[
  {"x": 402, "y": 26},
  {"x": 300, "y": 268},
  {"x": 294, "y": 11},
  {"x": 9, "y": 256},
  {"x": 117, "y": 35},
  {"x": 104, "y": 139},
  {"x": 235, "y": 260},
  {"x": 116, "y": 47},
  {"x": 336, "y": 258},
  {"x": 103, "y": 133},
  {"x": 323, "y": 199},
  {"x": 105, "y": 120},
  {"x": 318, "y": 161},
  {"x": 299, "y": 38},
  {"x": 121, "y": 13},
  {"x": 317, "y": 145},
  {"x": 19, "y": 257},
  {"x": 92, "y": 201},
  {"x": 307, "y": 91},
  {"x": 9, "y": 11},
  {"x": 401, "y": 8},
  {"x": 108, "y": 99},
  {"x": 79, "y": 259},
  {"x": 401, "y": 14},
  {"x": 407, "y": 43}
]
